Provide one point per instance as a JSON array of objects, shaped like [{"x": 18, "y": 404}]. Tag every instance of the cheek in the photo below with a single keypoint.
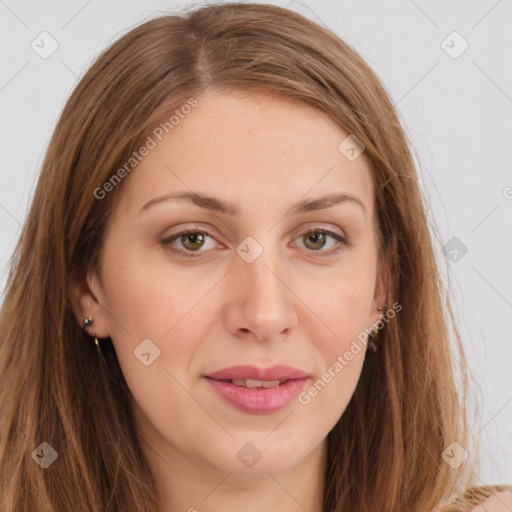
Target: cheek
[
  {"x": 346, "y": 312},
  {"x": 153, "y": 308},
  {"x": 159, "y": 325},
  {"x": 343, "y": 305},
  {"x": 148, "y": 295},
  {"x": 342, "y": 300},
  {"x": 340, "y": 357}
]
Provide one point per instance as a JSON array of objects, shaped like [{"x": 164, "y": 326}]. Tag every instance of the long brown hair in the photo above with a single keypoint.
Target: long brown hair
[{"x": 386, "y": 452}]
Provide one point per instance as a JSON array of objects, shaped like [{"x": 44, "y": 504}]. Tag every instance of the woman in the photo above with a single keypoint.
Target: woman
[{"x": 225, "y": 292}]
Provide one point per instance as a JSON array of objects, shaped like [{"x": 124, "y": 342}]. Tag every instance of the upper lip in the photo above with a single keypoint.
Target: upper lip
[{"x": 280, "y": 372}]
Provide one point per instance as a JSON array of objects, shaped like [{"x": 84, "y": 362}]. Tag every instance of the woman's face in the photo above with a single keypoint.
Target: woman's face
[{"x": 260, "y": 288}]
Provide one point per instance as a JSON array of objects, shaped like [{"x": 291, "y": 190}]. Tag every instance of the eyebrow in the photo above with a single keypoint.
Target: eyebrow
[{"x": 228, "y": 208}]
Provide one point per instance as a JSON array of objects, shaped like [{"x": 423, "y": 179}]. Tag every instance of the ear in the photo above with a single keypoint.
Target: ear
[
  {"x": 86, "y": 297},
  {"x": 381, "y": 290}
]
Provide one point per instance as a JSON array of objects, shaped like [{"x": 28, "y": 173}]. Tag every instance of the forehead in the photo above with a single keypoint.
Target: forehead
[{"x": 258, "y": 150}]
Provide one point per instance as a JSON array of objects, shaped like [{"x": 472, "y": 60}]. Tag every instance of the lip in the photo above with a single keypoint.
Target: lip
[
  {"x": 280, "y": 372},
  {"x": 258, "y": 400}
]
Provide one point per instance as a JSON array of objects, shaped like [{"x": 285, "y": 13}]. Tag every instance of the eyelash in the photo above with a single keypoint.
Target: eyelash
[{"x": 166, "y": 242}]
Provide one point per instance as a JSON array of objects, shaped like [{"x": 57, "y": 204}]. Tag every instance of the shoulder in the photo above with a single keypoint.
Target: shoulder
[
  {"x": 488, "y": 498},
  {"x": 500, "y": 501}
]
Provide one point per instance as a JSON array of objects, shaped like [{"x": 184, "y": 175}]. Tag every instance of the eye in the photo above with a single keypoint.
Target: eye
[
  {"x": 317, "y": 239},
  {"x": 191, "y": 241}
]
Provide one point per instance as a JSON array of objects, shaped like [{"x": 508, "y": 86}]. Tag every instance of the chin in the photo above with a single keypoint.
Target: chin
[{"x": 250, "y": 460}]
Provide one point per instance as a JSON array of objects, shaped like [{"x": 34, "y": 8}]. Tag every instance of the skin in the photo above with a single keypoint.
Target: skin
[{"x": 294, "y": 304}]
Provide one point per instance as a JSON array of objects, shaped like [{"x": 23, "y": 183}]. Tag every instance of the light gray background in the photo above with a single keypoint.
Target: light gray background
[{"x": 456, "y": 111}]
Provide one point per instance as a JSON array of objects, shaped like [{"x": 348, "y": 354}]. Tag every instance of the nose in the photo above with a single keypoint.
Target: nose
[{"x": 262, "y": 304}]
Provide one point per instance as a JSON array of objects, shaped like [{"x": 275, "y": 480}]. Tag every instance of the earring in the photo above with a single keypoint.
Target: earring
[
  {"x": 371, "y": 344},
  {"x": 88, "y": 322},
  {"x": 373, "y": 335}
]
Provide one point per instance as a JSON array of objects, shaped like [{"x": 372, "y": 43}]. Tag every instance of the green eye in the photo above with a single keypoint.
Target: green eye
[
  {"x": 317, "y": 239},
  {"x": 191, "y": 241}
]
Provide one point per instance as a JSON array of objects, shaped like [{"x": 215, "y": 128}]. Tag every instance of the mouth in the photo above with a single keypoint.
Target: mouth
[
  {"x": 255, "y": 383},
  {"x": 258, "y": 391}
]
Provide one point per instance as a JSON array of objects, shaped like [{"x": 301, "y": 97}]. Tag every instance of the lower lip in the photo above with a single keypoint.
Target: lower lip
[{"x": 259, "y": 400}]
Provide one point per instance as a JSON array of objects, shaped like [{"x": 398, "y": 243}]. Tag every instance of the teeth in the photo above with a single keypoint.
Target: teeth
[{"x": 253, "y": 383}]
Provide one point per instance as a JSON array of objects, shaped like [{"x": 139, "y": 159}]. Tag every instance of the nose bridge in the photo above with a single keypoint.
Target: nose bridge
[
  {"x": 262, "y": 286},
  {"x": 263, "y": 303}
]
